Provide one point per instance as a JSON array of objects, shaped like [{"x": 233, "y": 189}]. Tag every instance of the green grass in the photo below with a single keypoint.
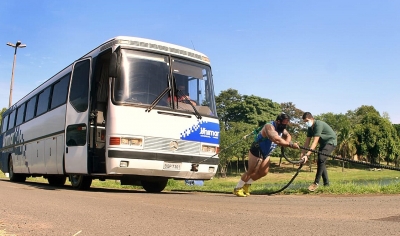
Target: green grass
[
  {"x": 359, "y": 180},
  {"x": 351, "y": 181}
]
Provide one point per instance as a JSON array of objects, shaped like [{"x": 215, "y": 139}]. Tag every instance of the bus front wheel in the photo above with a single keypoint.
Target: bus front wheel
[
  {"x": 154, "y": 186},
  {"x": 80, "y": 182},
  {"x": 13, "y": 176}
]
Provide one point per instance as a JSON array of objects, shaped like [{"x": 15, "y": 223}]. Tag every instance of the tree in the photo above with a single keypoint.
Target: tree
[
  {"x": 397, "y": 128},
  {"x": 296, "y": 127},
  {"x": 357, "y": 115},
  {"x": 346, "y": 144},
  {"x": 338, "y": 122},
  {"x": 253, "y": 110},
  {"x": 295, "y": 117},
  {"x": 386, "y": 115},
  {"x": 1, "y": 113},
  {"x": 233, "y": 144},
  {"x": 376, "y": 138},
  {"x": 225, "y": 155},
  {"x": 226, "y": 101}
]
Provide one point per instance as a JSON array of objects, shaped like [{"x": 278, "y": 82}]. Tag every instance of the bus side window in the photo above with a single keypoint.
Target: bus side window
[
  {"x": 20, "y": 114},
  {"x": 80, "y": 86},
  {"x": 43, "y": 101},
  {"x": 76, "y": 135},
  {"x": 11, "y": 121},
  {"x": 5, "y": 124},
  {"x": 60, "y": 91},
  {"x": 30, "y": 109}
]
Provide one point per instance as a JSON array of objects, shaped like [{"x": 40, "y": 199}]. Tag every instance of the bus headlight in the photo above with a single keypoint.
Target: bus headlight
[
  {"x": 209, "y": 148},
  {"x": 127, "y": 141},
  {"x": 132, "y": 141}
]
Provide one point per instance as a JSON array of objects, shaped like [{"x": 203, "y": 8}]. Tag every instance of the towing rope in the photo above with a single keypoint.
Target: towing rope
[
  {"x": 353, "y": 161},
  {"x": 294, "y": 176},
  {"x": 332, "y": 156}
]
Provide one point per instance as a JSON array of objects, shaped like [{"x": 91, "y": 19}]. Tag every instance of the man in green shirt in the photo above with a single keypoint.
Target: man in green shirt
[{"x": 323, "y": 135}]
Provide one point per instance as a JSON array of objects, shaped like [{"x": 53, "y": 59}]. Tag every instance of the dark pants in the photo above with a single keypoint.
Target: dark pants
[{"x": 321, "y": 164}]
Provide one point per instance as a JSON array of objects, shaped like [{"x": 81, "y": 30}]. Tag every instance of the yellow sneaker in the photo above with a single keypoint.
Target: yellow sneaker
[
  {"x": 246, "y": 189},
  {"x": 239, "y": 192}
]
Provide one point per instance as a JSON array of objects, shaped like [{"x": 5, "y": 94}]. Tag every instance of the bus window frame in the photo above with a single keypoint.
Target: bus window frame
[
  {"x": 7, "y": 117},
  {"x": 38, "y": 100},
  {"x": 34, "y": 108},
  {"x": 15, "y": 114},
  {"x": 23, "y": 115}
]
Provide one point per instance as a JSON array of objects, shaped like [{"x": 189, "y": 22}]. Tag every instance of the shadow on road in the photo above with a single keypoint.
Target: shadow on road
[{"x": 46, "y": 186}]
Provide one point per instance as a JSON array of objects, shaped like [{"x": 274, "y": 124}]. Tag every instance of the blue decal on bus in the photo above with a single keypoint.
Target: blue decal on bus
[{"x": 203, "y": 131}]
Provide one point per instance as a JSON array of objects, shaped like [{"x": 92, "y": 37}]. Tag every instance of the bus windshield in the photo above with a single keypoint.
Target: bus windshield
[{"x": 144, "y": 76}]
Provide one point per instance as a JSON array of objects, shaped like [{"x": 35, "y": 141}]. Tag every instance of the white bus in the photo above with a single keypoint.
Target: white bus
[{"x": 136, "y": 110}]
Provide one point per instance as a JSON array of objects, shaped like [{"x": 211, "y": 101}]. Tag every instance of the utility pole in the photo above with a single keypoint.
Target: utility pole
[{"x": 15, "y": 46}]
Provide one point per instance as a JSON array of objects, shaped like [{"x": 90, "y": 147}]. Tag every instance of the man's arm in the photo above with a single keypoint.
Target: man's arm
[
  {"x": 286, "y": 135},
  {"x": 306, "y": 144},
  {"x": 269, "y": 132},
  {"x": 313, "y": 145}
]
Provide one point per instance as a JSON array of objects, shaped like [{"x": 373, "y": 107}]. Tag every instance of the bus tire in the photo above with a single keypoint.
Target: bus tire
[
  {"x": 154, "y": 186},
  {"x": 56, "y": 180},
  {"x": 80, "y": 182},
  {"x": 13, "y": 176}
]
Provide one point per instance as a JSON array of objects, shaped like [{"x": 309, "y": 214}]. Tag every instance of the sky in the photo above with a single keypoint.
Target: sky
[{"x": 323, "y": 56}]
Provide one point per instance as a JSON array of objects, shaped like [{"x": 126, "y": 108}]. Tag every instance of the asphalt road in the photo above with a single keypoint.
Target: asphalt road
[{"x": 38, "y": 209}]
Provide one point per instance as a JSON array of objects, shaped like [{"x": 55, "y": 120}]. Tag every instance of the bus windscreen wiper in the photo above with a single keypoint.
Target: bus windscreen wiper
[
  {"x": 196, "y": 113},
  {"x": 155, "y": 102}
]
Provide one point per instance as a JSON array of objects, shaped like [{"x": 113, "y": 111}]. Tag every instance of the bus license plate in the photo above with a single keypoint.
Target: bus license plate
[{"x": 172, "y": 166}]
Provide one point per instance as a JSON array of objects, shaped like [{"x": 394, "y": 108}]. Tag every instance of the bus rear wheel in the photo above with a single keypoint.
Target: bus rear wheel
[
  {"x": 13, "y": 176},
  {"x": 57, "y": 180},
  {"x": 80, "y": 182},
  {"x": 154, "y": 186}
]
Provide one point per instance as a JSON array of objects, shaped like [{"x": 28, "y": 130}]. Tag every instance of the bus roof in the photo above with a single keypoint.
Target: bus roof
[{"x": 153, "y": 45}]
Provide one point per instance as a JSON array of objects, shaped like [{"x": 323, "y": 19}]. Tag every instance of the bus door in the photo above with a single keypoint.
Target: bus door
[{"x": 77, "y": 118}]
